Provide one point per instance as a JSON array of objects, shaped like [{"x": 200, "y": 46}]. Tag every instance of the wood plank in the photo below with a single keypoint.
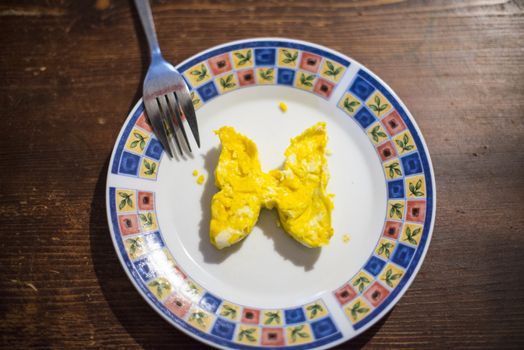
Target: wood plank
[{"x": 70, "y": 73}]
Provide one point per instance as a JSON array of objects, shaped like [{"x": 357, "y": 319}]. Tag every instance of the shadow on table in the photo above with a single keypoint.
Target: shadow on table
[{"x": 363, "y": 339}]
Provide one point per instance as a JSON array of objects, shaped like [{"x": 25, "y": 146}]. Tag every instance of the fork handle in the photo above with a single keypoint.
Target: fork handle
[{"x": 146, "y": 17}]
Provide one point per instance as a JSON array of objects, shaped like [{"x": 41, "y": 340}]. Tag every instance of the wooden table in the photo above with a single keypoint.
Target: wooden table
[{"x": 71, "y": 70}]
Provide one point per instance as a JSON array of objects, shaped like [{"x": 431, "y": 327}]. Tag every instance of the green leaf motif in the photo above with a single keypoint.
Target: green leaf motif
[
  {"x": 290, "y": 58},
  {"x": 243, "y": 59},
  {"x": 415, "y": 189},
  {"x": 378, "y": 106},
  {"x": 267, "y": 74},
  {"x": 385, "y": 249},
  {"x": 410, "y": 235},
  {"x": 160, "y": 287},
  {"x": 404, "y": 144},
  {"x": 147, "y": 220},
  {"x": 248, "y": 334},
  {"x": 194, "y": 99},
  {"x": 394, "y": 169},
  {"x": 198, "y": 317},
  {"x": 356, "y": 309},
  {"x": 350, "y": 106},
  {"x": 376, "y": 133},
  {"x": 360, "y": 283},
  {"x": 314, "y": 309},
  {"x": 135, "y": 244},
  {"x": 272, "y": 316},
  {"x": 390, "y": 277},
  {"x": 395, "y": 210},
  {"x": 296, "y": 333},
  {"x": 307, "y": 80},
  {"x": 139, "y": 140},
  {"x": 192, "y": 289},
  {"x": 200, "y": 73},
  {"x": 151, "y": 167},
  {"x": 126, "y": 200},
  {"x": 228, "y": 82},
  {"x": 228, "y": 311},
  {"x": 332, "y": 71}
]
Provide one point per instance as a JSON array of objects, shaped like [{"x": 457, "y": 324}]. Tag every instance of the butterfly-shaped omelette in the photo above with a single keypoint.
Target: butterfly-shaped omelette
[{"x": 298, "y": 191}]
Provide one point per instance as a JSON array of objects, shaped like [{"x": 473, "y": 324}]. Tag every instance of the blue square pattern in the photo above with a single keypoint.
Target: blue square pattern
[
  {"x": 145, "y": 270},
  {"x": 294, "y": 316},
  {"x": 361, "y": 88},
  {"x": 396, "y": 189},
  {"x": 210, "y": 302},
  {"x": 223, "y": 329},
  {"x": 129, "y": 164},
  {"x": 207, "y": 91},
  {"x": 265, "y": 57},
  {"x": 365, "y": 118},
  {"x": 286, "y": 76},
  {"x": 374, "y": 265},
  {"x": 154, "y": 149},
  {"x": 411, "y": 164},
  {"x": 323, "y": 328},
  {"x": 403, "y": 255},
  {"x": 154, "y": 241}
]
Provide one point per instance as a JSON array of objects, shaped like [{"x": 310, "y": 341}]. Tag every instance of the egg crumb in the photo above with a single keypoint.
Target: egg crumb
[
  {"x": 282, "y": 106},
  {"x": 194, "y": 173},
  {"x": 200, "y": 179},
  {"x": 345, "y": 238}
]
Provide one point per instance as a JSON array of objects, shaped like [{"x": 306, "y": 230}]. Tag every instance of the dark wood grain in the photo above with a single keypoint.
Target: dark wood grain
[{"x": 70, "y": 71}]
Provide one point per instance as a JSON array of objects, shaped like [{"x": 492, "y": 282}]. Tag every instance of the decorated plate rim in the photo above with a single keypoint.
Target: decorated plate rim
[{"x": 322, "y": 344}]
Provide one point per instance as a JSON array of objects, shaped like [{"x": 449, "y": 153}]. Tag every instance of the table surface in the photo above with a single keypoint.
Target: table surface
[{"x": 71, "y": 70}]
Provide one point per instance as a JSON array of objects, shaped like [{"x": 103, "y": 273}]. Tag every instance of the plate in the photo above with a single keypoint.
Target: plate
[{"x": 269, "y": 291}]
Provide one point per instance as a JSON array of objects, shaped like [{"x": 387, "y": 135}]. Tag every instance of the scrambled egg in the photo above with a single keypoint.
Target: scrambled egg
[
  {"x": 298, "y": 191},
  {"x": 201, "y": 179}
]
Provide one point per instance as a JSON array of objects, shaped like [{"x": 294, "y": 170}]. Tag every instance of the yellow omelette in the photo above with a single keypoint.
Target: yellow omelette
[{"x": 298, "y": 191}]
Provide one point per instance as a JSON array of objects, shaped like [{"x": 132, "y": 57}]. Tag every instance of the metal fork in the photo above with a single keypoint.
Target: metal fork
[{"x": 166, "y": 95}]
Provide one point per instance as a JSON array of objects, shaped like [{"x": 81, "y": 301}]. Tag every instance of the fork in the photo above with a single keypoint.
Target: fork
[{"x": 166, "y": 95}]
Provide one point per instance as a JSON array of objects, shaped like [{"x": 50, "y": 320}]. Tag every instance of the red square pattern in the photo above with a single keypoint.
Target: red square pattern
[
  {"x": 144, "y": 123},
  {"x": 128, "y": 224},
  {"x": 386, "y": 151},
  {"x": 324, "y": 88},
  {"x": 393, "y": 123},
  {"x": 246, "y": 77},
  {"x": 310, "y": 62},
  {"x": 392, "y": 229},
  {"x": 272, "y": 336},
  {"x": 220, "y": 64},
  {"x": 250, "y": 316},
  {"x": 416, "y": 211},
  {"x": 178, "y": 305},
  {"x": 376, "y": 294},
  {"x": 146, "y": 201},
  {"x": 345, "y": 294}
]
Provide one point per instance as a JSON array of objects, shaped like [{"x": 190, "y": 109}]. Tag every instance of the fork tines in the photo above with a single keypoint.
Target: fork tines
[{"x": 166, "y": 113}]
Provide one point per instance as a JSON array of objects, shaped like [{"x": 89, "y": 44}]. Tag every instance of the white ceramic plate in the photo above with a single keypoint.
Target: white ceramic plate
[{"x": 270, "y": 291}]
